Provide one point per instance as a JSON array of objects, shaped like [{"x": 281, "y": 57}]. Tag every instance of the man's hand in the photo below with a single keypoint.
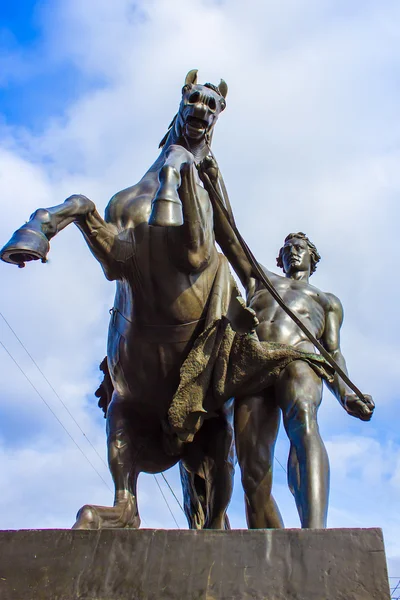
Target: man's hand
[
  {"x": 354, "y": 406},
  {"x": 209, "y": 167},
  {"x": 243, "y": 319}
]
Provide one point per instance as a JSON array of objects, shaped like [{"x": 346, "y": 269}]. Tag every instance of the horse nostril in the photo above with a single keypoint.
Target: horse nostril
[{"x": 194, "y": 97}]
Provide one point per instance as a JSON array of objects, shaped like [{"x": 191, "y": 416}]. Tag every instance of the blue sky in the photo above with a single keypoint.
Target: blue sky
[{"x": 310, "y": 141}]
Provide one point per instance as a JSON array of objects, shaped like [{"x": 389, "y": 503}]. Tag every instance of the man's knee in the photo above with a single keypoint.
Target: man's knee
[{"x": 301, "y": 418}]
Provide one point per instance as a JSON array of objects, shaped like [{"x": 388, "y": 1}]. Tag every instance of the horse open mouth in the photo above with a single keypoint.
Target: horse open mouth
[{"x": 196, "y": 123}]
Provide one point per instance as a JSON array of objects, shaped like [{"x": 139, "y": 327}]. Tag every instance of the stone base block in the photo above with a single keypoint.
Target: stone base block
[{"x": 291, "y": 564}]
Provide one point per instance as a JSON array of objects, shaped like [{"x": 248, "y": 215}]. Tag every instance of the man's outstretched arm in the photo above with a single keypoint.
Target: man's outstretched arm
[{"x": 352, "y": 404}]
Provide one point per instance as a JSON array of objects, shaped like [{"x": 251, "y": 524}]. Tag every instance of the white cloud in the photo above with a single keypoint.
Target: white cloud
[{"x": 309, "y": 141}]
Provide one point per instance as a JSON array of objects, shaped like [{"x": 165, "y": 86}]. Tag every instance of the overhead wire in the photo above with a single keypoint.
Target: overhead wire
[
  {"x": 53, "y": 413},
  {"x": 166, "y": 501},
  {"x": 394, "y": 590},
  {"x": 53, "y": 390},
  {"x": 68, "y": 411},
  {"x": 172, "y": 492}
]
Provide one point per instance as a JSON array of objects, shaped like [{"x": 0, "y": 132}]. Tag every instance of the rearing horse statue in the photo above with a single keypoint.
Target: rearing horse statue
[
  {"x": 157, "y": 242},
  {"x": 180, "y": 345}
]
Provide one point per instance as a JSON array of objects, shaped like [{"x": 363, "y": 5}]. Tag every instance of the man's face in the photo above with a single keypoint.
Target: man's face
[{"x": 296, "y": 256}]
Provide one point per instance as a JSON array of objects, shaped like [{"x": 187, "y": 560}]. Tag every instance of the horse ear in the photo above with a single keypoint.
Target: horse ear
[
  {"x": 223, "y": 88},
  {"x": 191, "y": 77}
]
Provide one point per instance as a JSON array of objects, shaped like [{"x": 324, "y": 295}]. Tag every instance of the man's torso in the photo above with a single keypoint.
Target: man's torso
[{"x": 305, "y": 300}]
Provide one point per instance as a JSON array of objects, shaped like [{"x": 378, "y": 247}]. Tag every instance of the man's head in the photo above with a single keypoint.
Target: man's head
[{"x": 298, "y": 254}]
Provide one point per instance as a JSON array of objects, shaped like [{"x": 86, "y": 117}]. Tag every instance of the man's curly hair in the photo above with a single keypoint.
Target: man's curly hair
[{"x": 314, "y": 254}]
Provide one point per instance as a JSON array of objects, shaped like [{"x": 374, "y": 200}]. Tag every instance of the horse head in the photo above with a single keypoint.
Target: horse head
[
  {"x": 199, "y": 110},
  {"x": 189, "y": 135}
]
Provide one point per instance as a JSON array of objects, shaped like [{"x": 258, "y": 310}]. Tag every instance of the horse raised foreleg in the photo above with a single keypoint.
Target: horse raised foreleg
[
  {"x": 31, "y": 241},
  {"x": 167, "y": 205},
  {"x": 181, "y": 200},
  {"x": 166, "y": 208}
]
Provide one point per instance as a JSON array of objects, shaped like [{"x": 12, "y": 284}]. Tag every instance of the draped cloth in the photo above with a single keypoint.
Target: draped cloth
[{"x": 224, "y": 363}]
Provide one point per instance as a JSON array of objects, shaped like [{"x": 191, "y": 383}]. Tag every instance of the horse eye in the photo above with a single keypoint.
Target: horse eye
[
  {"x": 212, "y": 104},
  {"x": 194, "y": 97},
  {"x": 223, "y": 105}
]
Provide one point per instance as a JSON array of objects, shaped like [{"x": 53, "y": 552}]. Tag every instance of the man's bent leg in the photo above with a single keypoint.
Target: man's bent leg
[
  {"x": 256, "y": 429},
  {"x": 299, "y": 393}
]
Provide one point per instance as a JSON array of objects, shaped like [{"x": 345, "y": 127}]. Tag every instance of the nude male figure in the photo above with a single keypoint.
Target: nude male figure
[{"x": 297, "y": 393}]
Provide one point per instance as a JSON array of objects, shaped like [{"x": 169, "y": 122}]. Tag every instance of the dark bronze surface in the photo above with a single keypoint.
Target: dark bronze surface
[
  {"x": 298, "y": 392},
  {"x": 333, "y": 564},
  {"x": 157, "y": 242}
]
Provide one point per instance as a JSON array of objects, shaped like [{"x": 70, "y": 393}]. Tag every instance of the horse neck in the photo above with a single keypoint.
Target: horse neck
[{"x": 199, "y": 149}]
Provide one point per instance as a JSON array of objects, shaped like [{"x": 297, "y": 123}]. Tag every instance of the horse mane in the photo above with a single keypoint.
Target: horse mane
[
  {"x": 170, "y": 126},
  {"x": 213, "y": 87}
]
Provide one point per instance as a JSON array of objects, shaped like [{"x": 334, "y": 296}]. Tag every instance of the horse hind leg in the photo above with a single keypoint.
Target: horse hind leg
[
  {"x": 122, "y": 457},
  {"x": 124, "y": 514}
]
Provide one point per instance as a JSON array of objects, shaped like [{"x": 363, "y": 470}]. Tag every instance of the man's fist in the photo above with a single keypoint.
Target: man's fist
[
  {"x": 362, "y": 409},
  {"x": 209, "y": 167}
]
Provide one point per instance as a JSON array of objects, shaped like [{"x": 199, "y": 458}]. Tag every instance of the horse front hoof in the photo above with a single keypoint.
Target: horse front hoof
[
  {"x": 166, "y": 211},
  {"x": 87, "y": 518},
  {"x": 25, "y": 245}
]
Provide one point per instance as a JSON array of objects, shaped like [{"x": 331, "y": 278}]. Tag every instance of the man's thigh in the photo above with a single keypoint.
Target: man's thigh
[
  {"x": 256, "y": 426},
  {"x": 298, "y": 390}
]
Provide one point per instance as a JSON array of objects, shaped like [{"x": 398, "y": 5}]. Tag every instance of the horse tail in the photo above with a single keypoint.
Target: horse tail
[{"x": 194, "y": 498}]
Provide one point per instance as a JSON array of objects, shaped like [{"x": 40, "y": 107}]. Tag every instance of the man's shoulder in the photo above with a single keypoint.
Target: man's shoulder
[
  {"x": 333, "y": 305},
  {"x": 330, "y": 302},
  {"x": 273, "y": 277},
  {"x": 270, "y": 274}
]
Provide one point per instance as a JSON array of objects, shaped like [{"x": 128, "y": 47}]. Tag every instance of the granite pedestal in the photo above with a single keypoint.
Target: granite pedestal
[{"x": 333, "y": 564}]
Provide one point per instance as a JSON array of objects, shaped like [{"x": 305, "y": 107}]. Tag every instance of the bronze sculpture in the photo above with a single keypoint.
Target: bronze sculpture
[
  {"x": 298, "y": 389},
  {"x": 174, "y": 359},
  {"x": 164, "y": 279},
  {"x": 180, "y": 340}
]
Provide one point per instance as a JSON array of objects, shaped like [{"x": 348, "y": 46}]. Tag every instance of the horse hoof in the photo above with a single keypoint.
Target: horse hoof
[
  {"x": 25, "y": 245},
  {"x": 87, "y": 518},
  {"x": 166, "y": 212},
  {"x": 123, "y": 515}
]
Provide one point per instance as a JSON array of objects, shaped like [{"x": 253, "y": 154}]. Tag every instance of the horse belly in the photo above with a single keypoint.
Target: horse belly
[{"x": 147, "y": 374}]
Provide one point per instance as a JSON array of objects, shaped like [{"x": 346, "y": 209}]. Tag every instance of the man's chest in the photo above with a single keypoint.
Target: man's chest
[{"x": 305, "y": 301}]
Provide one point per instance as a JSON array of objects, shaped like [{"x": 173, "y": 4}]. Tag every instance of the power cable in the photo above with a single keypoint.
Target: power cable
[
  {"x": 172, "y": 492},
  {"x": 280, "y": 464},
  {"x": 52, "y": 388},
  {"x": 169, "y": 508},
  {"x": 394, "y": 590},
  {"x": 54, "y": 414},
  {"x": 66, "y": 408}
]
